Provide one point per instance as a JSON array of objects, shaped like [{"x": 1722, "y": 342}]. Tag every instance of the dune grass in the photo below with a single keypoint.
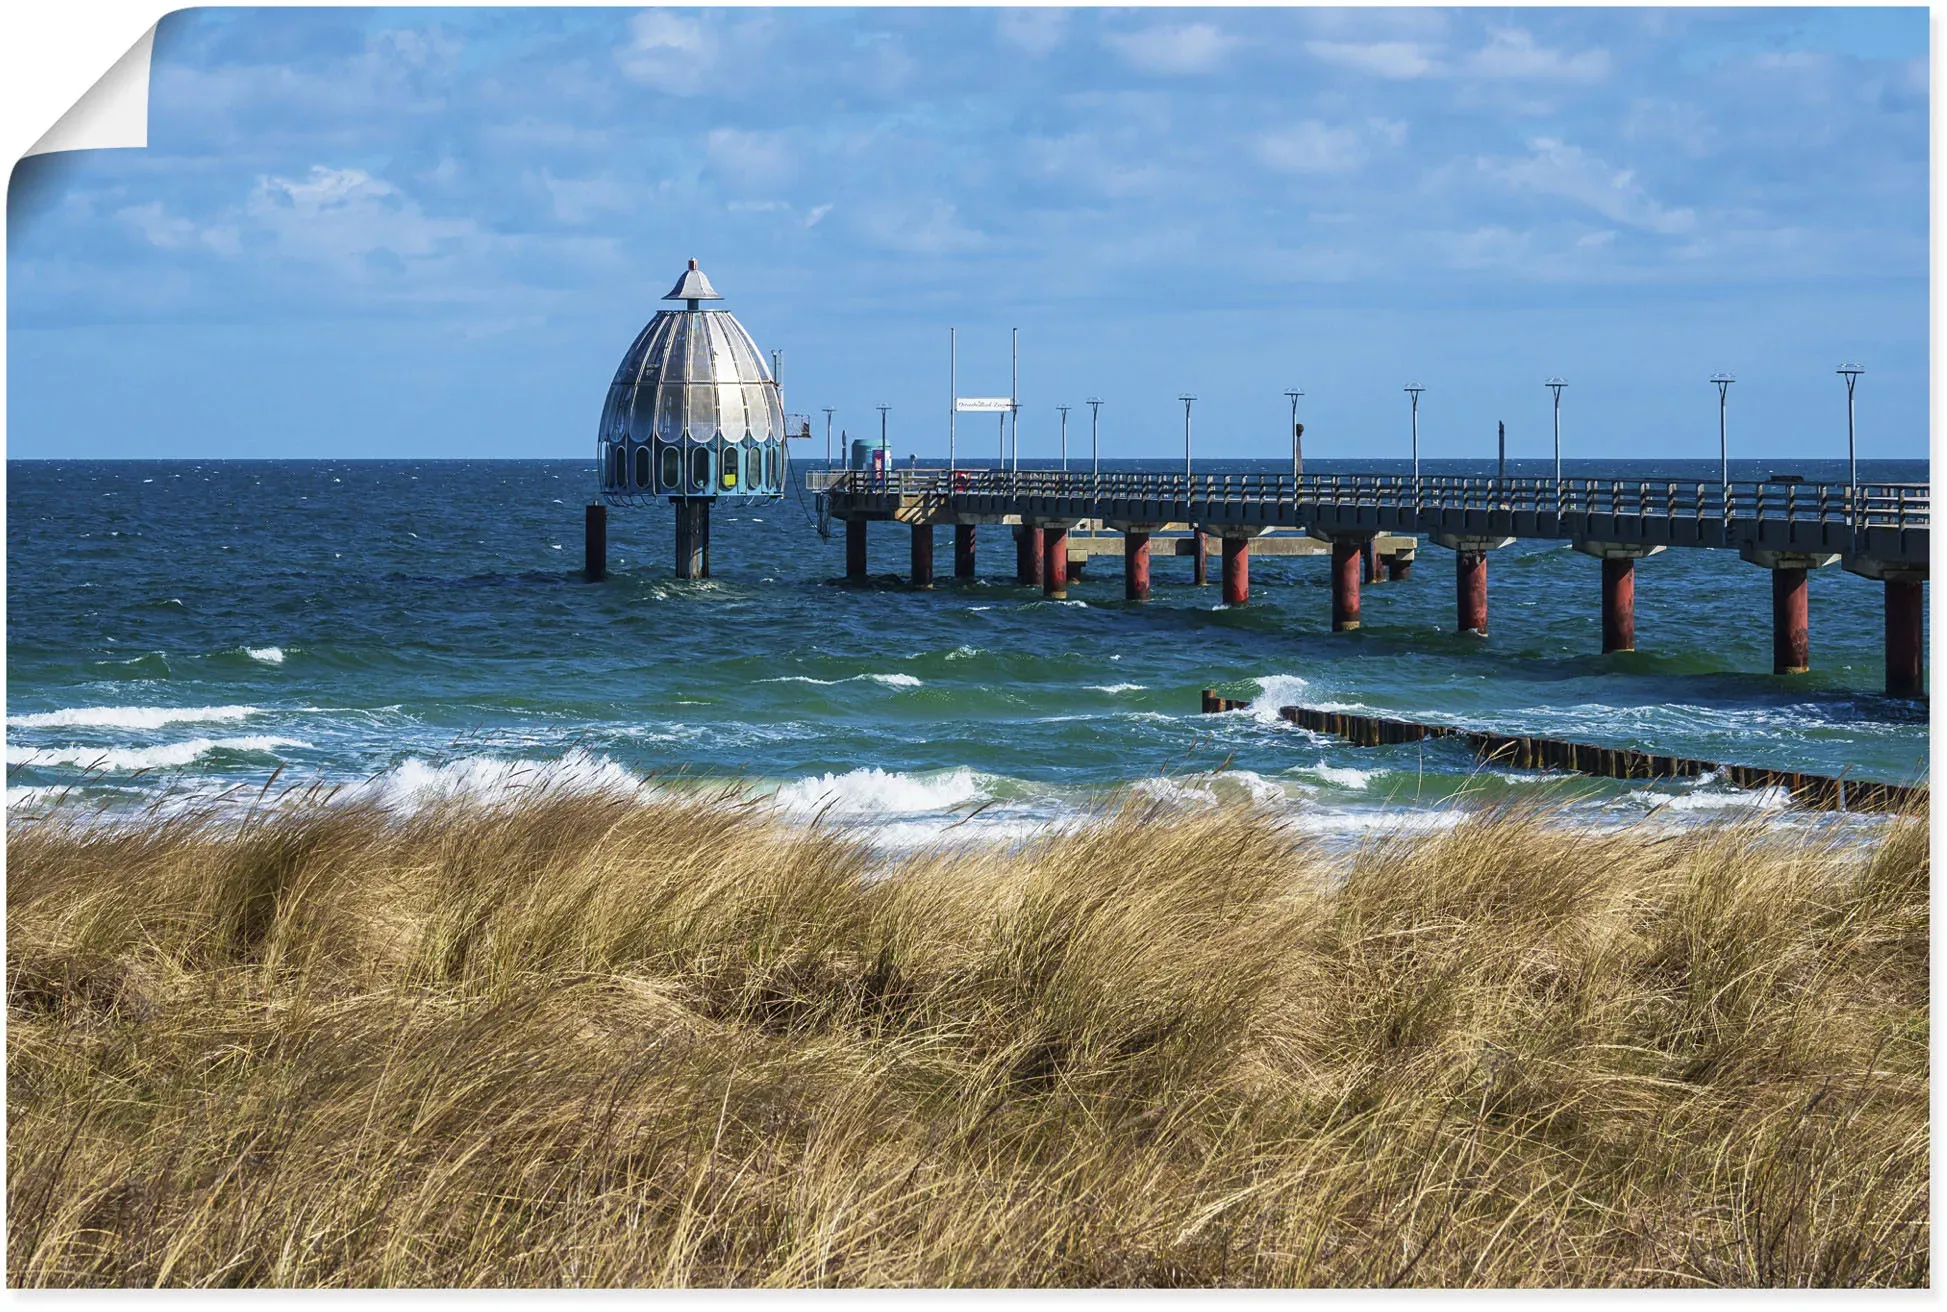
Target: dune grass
[{"x": 653, "y": 1041}]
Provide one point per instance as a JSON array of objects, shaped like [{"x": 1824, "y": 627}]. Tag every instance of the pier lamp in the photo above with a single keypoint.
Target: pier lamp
[
  {"x": 1297, "y": 441},
  {"x": 885, "y": 452},
  {"x": 829, "y": 412},
  {"x": 1723, "y": 382},
  {"x": 1064, "y": 436},
  {"x": 1556, "y": 385},
  {"x": 1413, "y": 390},
  {"x": 1186, "y": 399},
  {"x": 1851, "y": 372},
  {"x": 1095, "y": 434}
]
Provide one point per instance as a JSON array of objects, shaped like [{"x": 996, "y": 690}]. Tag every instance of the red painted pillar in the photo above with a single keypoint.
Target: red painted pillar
[
  {"x": 922, "y": 555},
  {"x": 1399, "y": 566},
  {"x": 1054, "y": 568},
  {"x": 854, "y": 548},
  {"x": 1135, "y": 566},
  {"x": 1470, "y": 590},
  {"x": 1618, "y": 605},
  {"x": 1345, "y": 585},
  {"x": 1200, "y": 557},
  {"x": 1906, "y": 614},
  {"x": 1237, "y": 571},
  {"x": 963, "y": 551},
  {"x": 1791, "y": 622},
  {"x": 1027, "y": 555}
]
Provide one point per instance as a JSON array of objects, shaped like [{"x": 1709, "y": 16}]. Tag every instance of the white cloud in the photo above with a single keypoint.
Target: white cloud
[
  {"x": 817, "y": 212},
  {"x": 167, "y": 232},
  {"x": 1555, "y": 168},
  {"x": 751, "y": 158},
  {"x": 1035, "y": 31},
  {"x": 349, "y": 219},
  {"x": 1511, "y": 52},
  {"x": 1398, "y": 60},
  {"x": 1190, "y": 48},
  {"x": 1315, "y": 147},
  {"x": 577, "y": 200},
  {"x": 669, "y": 52}
]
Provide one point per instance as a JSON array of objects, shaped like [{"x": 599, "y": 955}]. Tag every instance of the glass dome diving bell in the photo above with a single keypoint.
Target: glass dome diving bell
[{"x": 693, "y": 411}]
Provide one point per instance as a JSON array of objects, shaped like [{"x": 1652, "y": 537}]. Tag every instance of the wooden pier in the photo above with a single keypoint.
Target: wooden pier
[{"x": 1370, "y": 525}]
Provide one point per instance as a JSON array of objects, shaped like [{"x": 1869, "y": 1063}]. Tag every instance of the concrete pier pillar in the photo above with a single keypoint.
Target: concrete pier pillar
[
  {"x": 693, "y": 537},
  {"x": 1135, "y": 566},
  {"x": 922, "y": 555},
  {"x": 1027, "y": 555},
  {"x": 1399, "y": 566},
  {"x": 854, "y": 548},
  {"x": 1906, "y": 646},
  {"x": 1369, "y": 562},
  {"x": 1199, "y": 557},
  {"x": 1618, "y": 604},
  {"x": 1054, "y": 562},
  {"x": 963, "y": 551},
  {"x": 594, "y": 556},
  {"x": 1791, "y": 622},
  {"x": 1470, "y": 591},
  {"x": 1237, "y": 571},
  {"x": 1345, "y": 585}
]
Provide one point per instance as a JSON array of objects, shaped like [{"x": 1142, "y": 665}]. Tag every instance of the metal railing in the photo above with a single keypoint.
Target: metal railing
[{"x": 1871, "y": 505}]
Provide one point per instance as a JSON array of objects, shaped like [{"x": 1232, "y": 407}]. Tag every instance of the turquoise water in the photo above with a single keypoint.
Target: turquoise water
[{"x": 417, "y": 627}]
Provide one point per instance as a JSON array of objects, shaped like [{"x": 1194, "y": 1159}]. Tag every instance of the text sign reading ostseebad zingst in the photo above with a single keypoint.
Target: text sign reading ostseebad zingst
[{"x": 982, "y": 403}]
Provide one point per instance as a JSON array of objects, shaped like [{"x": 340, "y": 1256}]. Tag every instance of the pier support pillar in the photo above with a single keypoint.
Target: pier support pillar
[
  {"x": 594, "y": 556},
  {"x": 854, "y": 548},
  {"x": 1906, "y": 646},
  {"x": 1399, "y": 566},
  {"x": 1135, "y": 566},
  {"x": 1618, "y": 589},
  {"x": 1345, "y": 585},
  {"x": 963, "y": 551},
  {"x": 1369, "y": 562},
  {"x": 922, "y": 555},
  {"x": 1027, "y": 555},
  {"x": 1054, "y": 566},
  {"x": 1791, "y": 612},
  {"x": 693, "y": 537},
  {"x": 1470, "y": 577},
  {"x": 1237, "y": 571},
  {"x": 1199, "y": 557}
]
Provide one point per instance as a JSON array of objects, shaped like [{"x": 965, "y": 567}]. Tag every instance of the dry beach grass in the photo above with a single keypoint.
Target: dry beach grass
[{"x": 604, "y": 1041}]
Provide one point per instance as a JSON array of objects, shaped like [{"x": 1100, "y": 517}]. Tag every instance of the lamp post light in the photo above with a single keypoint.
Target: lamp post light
[
  {"x": 1851, "y": 372},
  {"x": 952, "y": 396},
  {"x": 1723, "y": 381},
  {"x": 828, "y": 437},
  {"x": 1297, "y": 441},
  {"x": 1064, "y": 436},
  {"x": 1186, "y": 399},
  {"x": 1095, "y": 435},
  {"x": 1556, "y": 385},
  {"x": 1413, "y": 390},
  {"x": 885, "y": 452}
]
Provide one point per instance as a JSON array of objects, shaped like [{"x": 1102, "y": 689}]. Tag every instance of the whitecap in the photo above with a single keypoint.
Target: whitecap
[
  {"x": 131, "y": 717},
  {"x": 890, "y": 680},
  {"x": 1275, "y": 691},
  {"x": 415, "y": 782},
  {"x": 268, "y": 655},
  {"x": 871, "y": 791},
  {"x": 1117, "y": 687},
  {"x": 164, "y": 757},
  {"x": 1340, "y": 776}
]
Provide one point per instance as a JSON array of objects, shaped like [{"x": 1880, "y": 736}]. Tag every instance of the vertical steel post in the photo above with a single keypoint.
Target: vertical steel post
[
  {"x": 952, "y": 396},
  {"x": 1345, "y": 585},
  {"x": 1906, "y": 646},
  {"x": 1135, "y": 566},
  {"x": 854, "y": 548},
  {"x": 1237, "y": 571},
  {"x": 1054, "y": 567},
  {"x": 1618, "y": 605},
  {"x": 922, "y": 555},
  {"x": 1791, "y": 622},
  {"x": 594, "y": 560}
]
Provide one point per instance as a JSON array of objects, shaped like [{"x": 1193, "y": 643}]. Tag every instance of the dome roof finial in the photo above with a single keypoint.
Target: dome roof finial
[{"x": 692, "y": 287}]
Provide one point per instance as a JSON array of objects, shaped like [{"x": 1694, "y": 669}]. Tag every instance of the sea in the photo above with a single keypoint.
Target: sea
[{"x": 405, "y": 631}]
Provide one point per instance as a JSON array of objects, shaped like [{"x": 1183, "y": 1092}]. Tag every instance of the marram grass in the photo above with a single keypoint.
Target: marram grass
[{"x": 602, "y": 1041}]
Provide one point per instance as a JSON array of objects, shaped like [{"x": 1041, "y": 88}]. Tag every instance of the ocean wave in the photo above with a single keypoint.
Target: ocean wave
[
  {"x": 1339, "y": 776},
  {"x": 890, "y": 680},
  {"x": 131, "y": 717},
  {"x": 123, "y": 759},
  {"x": 415, "y": 782},
  {"x": 1275, "y": 691},
  {"x": 874, "y": 792},
  {"x": 268, "y": 655},
  {"x": 1754, "y": 799},
  {"x": 1212, "y": 789},
  {"x": 1117, "y": 687}
]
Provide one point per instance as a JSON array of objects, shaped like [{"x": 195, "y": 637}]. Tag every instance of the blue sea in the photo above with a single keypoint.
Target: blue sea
[{"x": 415, "y": 629}]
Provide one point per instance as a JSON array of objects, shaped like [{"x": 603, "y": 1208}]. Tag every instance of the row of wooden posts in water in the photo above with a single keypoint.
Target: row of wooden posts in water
[{"x": 1526, "y": 752}]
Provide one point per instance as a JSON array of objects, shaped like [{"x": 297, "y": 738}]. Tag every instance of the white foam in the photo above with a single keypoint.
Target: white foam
[
  {"x": 1116, "y": 687},
  {"x": 120, "y": 759},
  {"x": 890, "y": 680},
  {"x": 1204, "y": 790},
  {"x": 131, "y": 717},
  {"x": 415, "y": 783},
  {"x": 1754, "y": 799},
  {"x": 963, "y": 652},
  {"x": 1275, "y": 691},
  {"x": 875, "y": 792},
  {"x": 268, "y": 655},
  {"x": 1340, "y": 776}
]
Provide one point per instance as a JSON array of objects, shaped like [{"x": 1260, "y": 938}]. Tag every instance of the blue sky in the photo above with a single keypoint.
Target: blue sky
[{"x": 434, "y": 232}]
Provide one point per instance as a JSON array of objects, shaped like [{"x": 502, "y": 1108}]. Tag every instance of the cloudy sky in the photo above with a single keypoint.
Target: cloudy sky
[{"x": 434, "y": 232}]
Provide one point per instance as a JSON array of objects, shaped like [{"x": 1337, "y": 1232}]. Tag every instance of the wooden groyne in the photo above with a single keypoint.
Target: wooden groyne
[{"x": 1525, "y": 752}]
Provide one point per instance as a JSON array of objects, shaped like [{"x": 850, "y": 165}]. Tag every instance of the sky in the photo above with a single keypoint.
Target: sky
[{"x": 433, "y": 233}]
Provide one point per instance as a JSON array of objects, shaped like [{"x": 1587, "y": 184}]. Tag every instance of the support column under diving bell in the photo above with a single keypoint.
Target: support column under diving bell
[
  {"x": 594, "y": 558},
  {"x": 692, "y": 537}
]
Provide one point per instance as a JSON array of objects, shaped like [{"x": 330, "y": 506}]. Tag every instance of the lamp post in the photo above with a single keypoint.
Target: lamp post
[
  {"x": 952, "y": 395},
  {"x": 1064, "y": 436},
  {"x": 1095, "y": 435},
  {"x": 1556, "y": 385},
  {"x": 1014, "y": 399},
  {"x": 885, "y": 452},
  {"x": 1186, "y": 399},
  {"x": 1297, "y": 441},
  {"x": 828, "y": 437},
  {"x": 1413, "y": 390},
  {"x": 1851, "y": 372},
  {"x": 1723, "y": 381}
]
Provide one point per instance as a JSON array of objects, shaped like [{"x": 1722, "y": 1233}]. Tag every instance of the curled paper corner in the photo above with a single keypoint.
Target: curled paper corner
[{"x": 111, "y": 114}]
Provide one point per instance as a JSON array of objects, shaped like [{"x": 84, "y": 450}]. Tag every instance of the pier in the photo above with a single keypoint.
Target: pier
[{"x": 1371, "y": 525}]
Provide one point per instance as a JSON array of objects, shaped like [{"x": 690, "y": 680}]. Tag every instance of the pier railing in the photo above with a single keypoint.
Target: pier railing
[{"x": 1897, "y": 506}]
